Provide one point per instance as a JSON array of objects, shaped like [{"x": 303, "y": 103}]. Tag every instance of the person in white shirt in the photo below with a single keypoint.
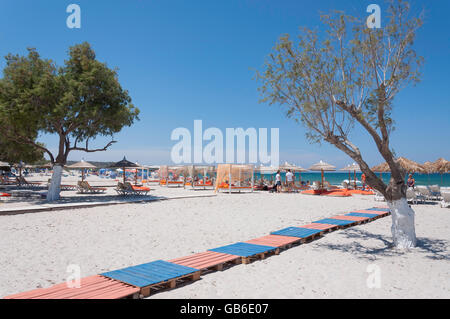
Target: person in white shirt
[
  {"x": 278, "y": 182},
  {"x": 290, "y": 179}
]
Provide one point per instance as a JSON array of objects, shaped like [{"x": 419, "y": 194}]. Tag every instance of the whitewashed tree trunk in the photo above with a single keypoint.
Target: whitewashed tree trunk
[
  {"x": 55, "y": 185},
  {"x": 403, "y": 230}
]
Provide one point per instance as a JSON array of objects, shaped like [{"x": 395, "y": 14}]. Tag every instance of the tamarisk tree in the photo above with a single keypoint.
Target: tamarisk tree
[
  {"x": 78, "y": 102},
  {"x": 345, "y": 77}
]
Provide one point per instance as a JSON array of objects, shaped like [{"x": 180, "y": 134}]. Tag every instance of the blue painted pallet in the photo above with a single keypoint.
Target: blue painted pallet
[
  {"x": 387, "y": 210},
  {"x": 243, "y": 249},
  {"x": 332, "y": 221},
  {"x": 297, "y": 232},
  {"x": 149, "y": 274},
  {"x": 362, "y": 214}
]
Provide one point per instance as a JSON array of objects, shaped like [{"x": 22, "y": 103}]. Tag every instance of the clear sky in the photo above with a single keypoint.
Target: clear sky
[{"x": 187, "y": 60}]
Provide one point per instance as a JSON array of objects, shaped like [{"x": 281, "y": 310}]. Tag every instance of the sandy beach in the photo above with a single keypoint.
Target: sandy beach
[{"x": 36, "y": 248}]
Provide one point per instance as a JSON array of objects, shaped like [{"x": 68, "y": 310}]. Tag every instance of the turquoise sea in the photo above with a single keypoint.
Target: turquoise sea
[{"x": 336, "y": 178}]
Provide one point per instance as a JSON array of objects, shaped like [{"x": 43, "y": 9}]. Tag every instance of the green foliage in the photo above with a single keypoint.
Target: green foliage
[
  {"x": 78, "y": 101},
  {"x": 14, "y": 153}
]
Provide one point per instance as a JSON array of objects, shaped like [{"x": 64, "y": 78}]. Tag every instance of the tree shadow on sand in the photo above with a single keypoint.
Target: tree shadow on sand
[{"x": 432, "y": 248}]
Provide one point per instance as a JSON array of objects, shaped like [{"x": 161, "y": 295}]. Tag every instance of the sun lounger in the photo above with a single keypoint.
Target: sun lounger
[
  {"x": 411, "y": 196},
  {"x": 136, "y": 190},
  {"x": 4, "y": 180},
  {"x": 379, "y": 197},
  {"x": 445, "y": 199},
  {"x": 435, "y": 191},
  {"x": 22, "y": 182},
  {"x": 425, "y": 192},
  {"x": 85, "y": 188}
]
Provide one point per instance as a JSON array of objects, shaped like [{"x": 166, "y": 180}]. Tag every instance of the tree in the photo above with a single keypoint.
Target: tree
[
  {"x": 14, "y": 153},
  {"x": 350, "y": 76},
  {"x": 78, "y": 101}
]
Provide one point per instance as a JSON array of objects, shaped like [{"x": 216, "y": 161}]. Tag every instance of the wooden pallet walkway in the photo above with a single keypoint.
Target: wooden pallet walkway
[
  {"x": 340, "y": 223},
  {"x": 280, "y": 242},
  {"x": 358, "y": 219},
  {"x": 306, "y": 234},
  {"x": 325, "y": 227},
  {"x": 93, "y": 287},
  {"x": 247, "y": 252},
  {"x": 154, "y": 275},
  {"x": 207, "y": 261}
]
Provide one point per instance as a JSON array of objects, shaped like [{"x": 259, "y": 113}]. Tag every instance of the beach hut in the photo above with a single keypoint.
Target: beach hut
[
  {"x": 235, "y": 177},
  {"x": 82, "y": 165},
  {"x": 124, "y": 164},
  {"x": 322, "y": 167}
]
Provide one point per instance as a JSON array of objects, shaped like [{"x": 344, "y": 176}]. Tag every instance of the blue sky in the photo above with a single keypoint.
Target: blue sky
[{"x": 187, "y": 60}]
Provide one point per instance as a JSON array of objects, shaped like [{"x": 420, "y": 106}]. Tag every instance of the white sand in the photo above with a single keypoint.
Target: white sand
[{"x": 35, "y": 249}]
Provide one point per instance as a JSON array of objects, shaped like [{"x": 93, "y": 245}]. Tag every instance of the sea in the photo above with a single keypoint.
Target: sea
[{"x": 336, "y": 178}]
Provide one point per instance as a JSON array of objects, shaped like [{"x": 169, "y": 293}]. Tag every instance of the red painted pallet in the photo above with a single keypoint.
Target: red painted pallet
[
  {"x": 324, "y": 227},
  {"x": 93, "y": 287},
  {"x": 282, "y": 242},
  {"x": 207, "y": 261}
]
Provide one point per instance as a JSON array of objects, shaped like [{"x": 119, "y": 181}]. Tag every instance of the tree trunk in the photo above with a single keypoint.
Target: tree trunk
[
  {"x": 55, "y": 185},
  {"x": 403, "y": 230}
]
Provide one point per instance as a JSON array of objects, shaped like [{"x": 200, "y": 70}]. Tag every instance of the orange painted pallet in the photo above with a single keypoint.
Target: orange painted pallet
[
  {"x": 324, "y": 227},
  {"x": 281, "y": 242},
  {"x": 207, "y": 261},
  {"x": 93, "y": 287}
]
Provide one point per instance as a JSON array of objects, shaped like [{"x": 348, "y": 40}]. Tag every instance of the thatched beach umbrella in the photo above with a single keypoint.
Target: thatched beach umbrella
[
  {"x": 410, "y": 166},
  {"x": 322, "y": 167},
  {"x": 81, "y": 165},
  {"x": 440, "y": 166},
  {"x": 124, "y": 164}
]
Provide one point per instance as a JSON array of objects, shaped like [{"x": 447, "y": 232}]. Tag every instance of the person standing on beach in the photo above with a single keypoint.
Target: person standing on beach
[
  {"x": 363, "y": 179},
  {"x": 290, "y": 179},
  {"x": 410, "y": 182},
  {"x": 278, "y": 182}
]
